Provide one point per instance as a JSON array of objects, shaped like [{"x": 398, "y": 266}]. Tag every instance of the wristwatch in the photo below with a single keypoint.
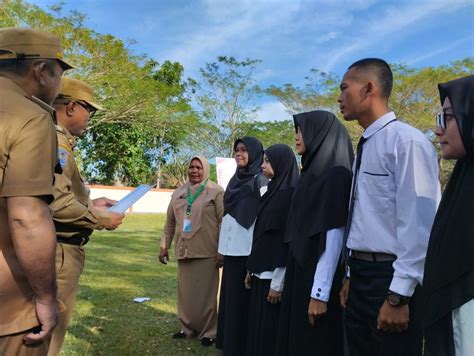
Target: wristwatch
[{"x": 397, "y": 300}]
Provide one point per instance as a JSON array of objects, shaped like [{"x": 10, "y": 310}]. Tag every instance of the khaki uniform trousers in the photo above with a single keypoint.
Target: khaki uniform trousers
[
  {"x": 12, "y": 345},
  {"x": 69, "y": 266}
]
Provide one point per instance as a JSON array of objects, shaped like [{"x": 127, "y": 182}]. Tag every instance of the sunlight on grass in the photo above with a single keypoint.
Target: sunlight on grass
[{"x": 122, "y": 265}]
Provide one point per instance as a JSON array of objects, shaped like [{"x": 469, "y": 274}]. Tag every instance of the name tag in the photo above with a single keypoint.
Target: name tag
[{"x": 187, "y": 225}]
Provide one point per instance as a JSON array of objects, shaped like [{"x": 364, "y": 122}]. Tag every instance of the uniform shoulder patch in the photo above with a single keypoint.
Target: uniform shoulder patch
[
  {"x": 63, "y": 155},
  {"x": 65, "y": 146}
]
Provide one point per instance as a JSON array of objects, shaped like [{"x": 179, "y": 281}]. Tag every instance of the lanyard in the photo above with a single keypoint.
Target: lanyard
[{"x": 192, "y": 198}]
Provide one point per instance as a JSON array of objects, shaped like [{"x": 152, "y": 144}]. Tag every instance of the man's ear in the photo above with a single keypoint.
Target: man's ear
[
  {"x": 39, "y": 72},
  {"x": 71, "y": 107},
  {"x": 370, "y": 88}
]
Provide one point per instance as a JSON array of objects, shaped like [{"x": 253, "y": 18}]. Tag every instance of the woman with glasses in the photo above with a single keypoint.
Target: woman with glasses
[
  {"x": 235, "y": 242},
  {"x": 449, "y": 268}
]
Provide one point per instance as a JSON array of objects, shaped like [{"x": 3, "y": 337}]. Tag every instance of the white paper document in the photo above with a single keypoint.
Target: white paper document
[
  {"x": 130, "y": 199},
  {"x": 141, "y": 299}
]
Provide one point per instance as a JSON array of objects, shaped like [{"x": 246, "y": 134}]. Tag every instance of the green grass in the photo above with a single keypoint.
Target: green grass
[{"x": 122, "y": 265}]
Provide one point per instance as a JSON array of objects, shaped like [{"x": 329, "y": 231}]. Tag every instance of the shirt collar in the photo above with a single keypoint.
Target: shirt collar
[
  {"x": 379, "y": 124},
  {"x": 70, "y": 138},
  {"x": 7, "y": 83}
]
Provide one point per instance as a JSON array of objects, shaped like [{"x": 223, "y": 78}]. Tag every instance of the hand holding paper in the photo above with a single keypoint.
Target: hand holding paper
[
  {"x": 130, "y": 199},
  {"x": 110, "y": 220}
]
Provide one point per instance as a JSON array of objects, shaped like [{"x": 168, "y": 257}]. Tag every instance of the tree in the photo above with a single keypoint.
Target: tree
[
  {"x": 320, "y": 92},
  {"x": 146, "y": 114},
  {"x": 270, "y": 132},
  {"x": 225, "y": 96},
  {"x": 116, "y": 153},
  {"x": 414, "y": 99},
  {"x": 415, "y": 96}
]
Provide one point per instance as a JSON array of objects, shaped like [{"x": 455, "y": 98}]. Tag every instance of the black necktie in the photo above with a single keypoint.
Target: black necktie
[{"x": 352, "y": 199}]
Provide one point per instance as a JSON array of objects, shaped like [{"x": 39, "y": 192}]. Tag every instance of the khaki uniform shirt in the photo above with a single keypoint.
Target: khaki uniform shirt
[
  {"x": 206, "y": 212},
  {"x": 73, "y": 212},
  {"x": 27, "y": 159}
]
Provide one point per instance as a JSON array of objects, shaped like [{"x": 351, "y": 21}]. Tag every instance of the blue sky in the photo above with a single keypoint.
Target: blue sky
[{"x": 289, "y": 36}]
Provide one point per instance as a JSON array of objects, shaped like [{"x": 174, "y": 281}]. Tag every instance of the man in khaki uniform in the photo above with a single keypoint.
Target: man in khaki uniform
[
  {"x": 30, "y": 73},
  {"x": 75, "y": 215}
]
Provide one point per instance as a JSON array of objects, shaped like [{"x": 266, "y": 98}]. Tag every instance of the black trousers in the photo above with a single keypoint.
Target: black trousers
[{"x": 369, "y": 285}]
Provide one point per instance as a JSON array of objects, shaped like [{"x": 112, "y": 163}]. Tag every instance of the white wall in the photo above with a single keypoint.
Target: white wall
[{"x": 155, "y": 201}]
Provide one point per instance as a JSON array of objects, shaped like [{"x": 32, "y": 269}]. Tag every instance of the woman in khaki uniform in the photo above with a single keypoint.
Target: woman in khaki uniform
[{"x": 193, "y": 219}]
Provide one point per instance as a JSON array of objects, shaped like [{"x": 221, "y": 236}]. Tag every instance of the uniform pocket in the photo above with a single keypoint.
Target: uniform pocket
[
  {"x": 377, "y": 184},
  {"x": 2, "y": 170},
  {"x": 59, "y": 257},
  {"x": 376, "y": 174}
]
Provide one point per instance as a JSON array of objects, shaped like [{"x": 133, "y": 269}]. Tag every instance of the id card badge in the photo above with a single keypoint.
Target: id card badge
[{"x": 187, "y": 225}]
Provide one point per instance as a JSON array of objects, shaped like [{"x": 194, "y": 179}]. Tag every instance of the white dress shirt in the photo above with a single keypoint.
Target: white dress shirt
[
  {"x": 327, "y": 265},
  {"x": 396, "y": 198},
  {"x": 234, "y": 239}
]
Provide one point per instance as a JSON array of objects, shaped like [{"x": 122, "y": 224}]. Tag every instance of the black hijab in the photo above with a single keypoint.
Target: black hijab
[
  {"x": 269, "y": 251},
  {"x": 449, "y": 267},
  {"x": 321, "y": 198},
  {"x": 240, "y": 198}
]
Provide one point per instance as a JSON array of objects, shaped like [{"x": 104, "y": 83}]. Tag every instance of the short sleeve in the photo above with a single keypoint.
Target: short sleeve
[{"x": 29, "y": 168}]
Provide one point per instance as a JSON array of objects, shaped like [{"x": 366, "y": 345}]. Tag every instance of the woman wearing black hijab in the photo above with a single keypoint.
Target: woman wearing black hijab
[
  {"x": 448, "y": 284},
  {"x": 267, "y": 261},
  {"x": 235, "y": 242},
  {"x": 311, "y": 316}
]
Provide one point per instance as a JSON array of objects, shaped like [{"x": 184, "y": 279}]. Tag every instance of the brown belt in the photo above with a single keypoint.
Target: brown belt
[{"x": 372, "y": 256}]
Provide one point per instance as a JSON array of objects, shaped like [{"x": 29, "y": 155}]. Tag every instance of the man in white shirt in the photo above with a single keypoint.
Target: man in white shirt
[{"x": 395, "y": 193}]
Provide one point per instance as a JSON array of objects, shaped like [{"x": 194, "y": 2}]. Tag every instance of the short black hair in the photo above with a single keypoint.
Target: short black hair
[
  {"x": 382, "y": 72},
  {"x": 21, "y": 66}
]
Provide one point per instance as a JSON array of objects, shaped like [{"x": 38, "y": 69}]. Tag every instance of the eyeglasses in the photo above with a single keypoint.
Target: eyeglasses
[
  {"x": 88, "y": 107},
  {"x": 441, "y": 119}
]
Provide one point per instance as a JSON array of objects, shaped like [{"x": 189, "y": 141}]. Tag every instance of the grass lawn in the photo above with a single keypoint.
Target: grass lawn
[{"x": 122, "y": 265}]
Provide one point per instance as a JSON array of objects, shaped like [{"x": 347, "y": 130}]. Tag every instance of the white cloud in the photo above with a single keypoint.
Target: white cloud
[
  {"x": 273, "y": 111},
  {"x": 231, "y": 25},
  {"x": 450, "y": 46},
  {"x": 264, "y": 74},
  {"x": 289, "y": 36},
  {"x": 327, "y": 37},
  {"x": 393, "y": 19}
]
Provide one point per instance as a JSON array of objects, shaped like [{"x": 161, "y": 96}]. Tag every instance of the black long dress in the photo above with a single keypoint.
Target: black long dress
[
  {"x": 449, "y": 267},
  {"x": 269, "y": 251},
  {"x": 319, "y": 204},
  {"x": 240, "y": 201}
]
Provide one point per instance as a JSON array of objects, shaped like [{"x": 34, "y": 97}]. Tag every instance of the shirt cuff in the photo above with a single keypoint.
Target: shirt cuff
[
  {"x": 278, "y": 279},
  {"x": 403, "y": 286},
  {"x": 320, "y": 291}
]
